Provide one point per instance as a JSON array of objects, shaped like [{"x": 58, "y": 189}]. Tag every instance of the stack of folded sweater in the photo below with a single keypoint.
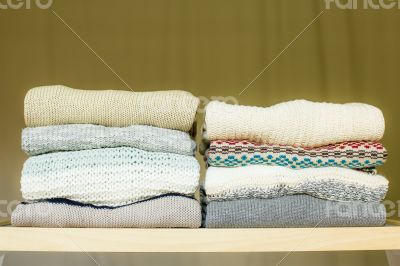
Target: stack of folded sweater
[
  {"x": 109, "y": 159},
  {"x": 295, "y": 164}
]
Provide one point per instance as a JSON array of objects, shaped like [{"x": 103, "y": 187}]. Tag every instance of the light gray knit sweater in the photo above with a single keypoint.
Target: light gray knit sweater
[
  {"x": 47, "y": 139},
  {"x": 292, "y": 211},
  {"x": 169, "y": 211}
]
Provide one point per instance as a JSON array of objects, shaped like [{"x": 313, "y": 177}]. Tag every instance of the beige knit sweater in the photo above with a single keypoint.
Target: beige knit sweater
[
  {"x": 295, "y": 123},
  {"x": 56, "y": 105}
]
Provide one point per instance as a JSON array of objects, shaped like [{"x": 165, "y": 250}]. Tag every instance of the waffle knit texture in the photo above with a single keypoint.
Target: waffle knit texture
[
  {"x": 39, "y": 140},
  {"x": 293, "y": 211},
  {"x": 295, "y": 123},
  {"x": 58, "y": 105},
  {"x": 355, "y": 155},
  {"x": 111, "y": 176},
  {"x": 260, "y": 181},
  {"x": 161, "y": 212}
]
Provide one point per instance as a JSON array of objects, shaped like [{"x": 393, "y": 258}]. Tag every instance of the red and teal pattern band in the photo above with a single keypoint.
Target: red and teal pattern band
[{"x": 354, "y": 155}]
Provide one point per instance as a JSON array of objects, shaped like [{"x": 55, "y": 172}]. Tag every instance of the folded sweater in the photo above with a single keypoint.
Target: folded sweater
[
  {"x": 293, "y": 211},
  {"x": 355, "y": 155},
  {"x": 260, "y": 181},
  {"x": 39, "y": 140},
  {"x": 169, "y": 211},
  {"x": 111, "y": 176},
  {"x": 57, "y": 105},
  {"x": 295, "y": 123}
]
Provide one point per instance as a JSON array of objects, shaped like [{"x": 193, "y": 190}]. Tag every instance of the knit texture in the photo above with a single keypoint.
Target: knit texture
[
  {"x": 58, "y": 105},
  {"x": 162, "y": 212},
  {"x": 355, "y": 155},
  {"x": 111, "y": 176},
  {"x": 260, "y": 181},
  {"x": 39, "y": 140},
  {"x": 293, "y": 211},
  {"x": 295, "y": 123}
]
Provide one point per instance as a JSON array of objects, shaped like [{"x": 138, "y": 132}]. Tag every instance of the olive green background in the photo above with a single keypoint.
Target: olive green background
[{"x": 213, "y": 49}]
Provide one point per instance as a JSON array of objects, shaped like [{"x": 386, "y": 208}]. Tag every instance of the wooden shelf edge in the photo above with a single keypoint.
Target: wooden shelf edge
[
  {"x": 199, "y": 240},
  {"x": 5, "y": 222},
  {"x": 392, "y": 222}
]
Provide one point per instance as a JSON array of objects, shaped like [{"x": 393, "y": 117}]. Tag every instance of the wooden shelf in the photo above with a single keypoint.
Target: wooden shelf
[{"x": 199, "y": 240}]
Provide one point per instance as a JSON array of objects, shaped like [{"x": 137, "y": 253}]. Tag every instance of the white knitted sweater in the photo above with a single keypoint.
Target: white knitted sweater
[
  {"x": 262, "y": 181},
  {"x": 294, "y": 123},
  {"x": 111, "y": 177},
  {"x": 58, "y": 105}
]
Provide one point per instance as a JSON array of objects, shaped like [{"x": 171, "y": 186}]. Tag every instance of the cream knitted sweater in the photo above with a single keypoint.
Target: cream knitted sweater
[
  {"x": 261, "y": 181},
  {"x": 294, "y": 123},
  {"x": 57, "y": 105},
  {"x": 110, "y": 177}
]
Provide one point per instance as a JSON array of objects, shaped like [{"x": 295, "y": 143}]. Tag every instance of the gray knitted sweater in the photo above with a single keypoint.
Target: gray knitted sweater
[
  {"x": 47, "y": 139},
  {"x": 292, "y": 211},
  {"x": 169, "y": 211}
]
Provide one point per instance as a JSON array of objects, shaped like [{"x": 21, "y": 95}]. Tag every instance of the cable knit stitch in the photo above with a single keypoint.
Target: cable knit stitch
[
  {"x": 57, "y": 105},
  {"x": 39, "y": 140},
  {"x": 260, "y": 181},
  {"x": 293, "y": 211},
  {"x": 355, "y": 155},
  {"x": 295, "y": 123},
  {"x": 111, "y": 176},
  {"x": 162, "y": 212}
]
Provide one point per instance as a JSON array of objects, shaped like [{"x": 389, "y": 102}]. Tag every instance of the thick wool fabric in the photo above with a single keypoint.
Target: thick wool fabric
[
  {"x": 111, "y": 177},
  {"x": 293, "y": 211},
  {"x": 162, "y": 212},
  {"x": 295, "y": 123},
  {"x": 39, "y": 140},
  {"x": 260, "y": 181},
  {"x": 355, "y": 155},
  {"x": 58, "y": 105}
]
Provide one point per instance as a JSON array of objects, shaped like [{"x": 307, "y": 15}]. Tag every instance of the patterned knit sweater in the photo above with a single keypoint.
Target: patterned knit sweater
[
  {"x": 355, "y": 155},
  {"x": 39, "y": 140},
  {"x": 111, "y": 176},
  {"x": 295, "y": 123},
  {"x": 58, "y": 105},
  {"x": 260, "y": 181},
  {"x": 169, "y": 211}
]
